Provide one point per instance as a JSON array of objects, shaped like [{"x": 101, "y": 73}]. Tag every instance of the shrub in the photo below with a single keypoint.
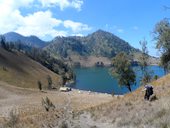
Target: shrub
[
  {"x": 155, "y": 77},
  {"x": 49, "y": 79},
  {"x": 47, "y": 103},
  {"x": 128, "y": 103},
  {"x": 63, "y": 125},
  {"x": 39, "y": 85},
  {"x": 13, "y": 119},
  {"x": 146, "y": 78},
  {"x": 113, "y": 94},
  {"x": 4, "y": 68}
]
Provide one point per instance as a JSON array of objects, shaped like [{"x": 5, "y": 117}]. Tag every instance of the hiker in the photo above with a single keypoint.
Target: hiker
[{"x": 148, "y": 91}]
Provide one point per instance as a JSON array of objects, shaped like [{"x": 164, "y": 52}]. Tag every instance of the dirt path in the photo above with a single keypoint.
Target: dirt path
[{"x": 27, "y": 104}]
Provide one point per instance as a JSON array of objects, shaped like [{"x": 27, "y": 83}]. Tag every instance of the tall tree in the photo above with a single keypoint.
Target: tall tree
[
  {"x": 123, "y": 70},
  {"x": 162, "y": 37},
  {"x": 144, "y": 56},
  {"x": 2, "y": 42},
  {"x": 39, "y": 85},
  {"x": 49, "y": 79},
  {"x": 144, "y": 62}
]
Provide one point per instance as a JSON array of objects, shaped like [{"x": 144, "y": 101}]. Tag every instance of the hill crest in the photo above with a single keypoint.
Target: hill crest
[{"x": 28, "y": 40}]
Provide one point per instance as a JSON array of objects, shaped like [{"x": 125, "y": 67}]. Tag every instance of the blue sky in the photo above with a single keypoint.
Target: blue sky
[{"x": 131, "y": 20}]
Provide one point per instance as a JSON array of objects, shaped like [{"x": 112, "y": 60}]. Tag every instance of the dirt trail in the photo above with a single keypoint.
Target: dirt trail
[{"x": 27, "y": 103}]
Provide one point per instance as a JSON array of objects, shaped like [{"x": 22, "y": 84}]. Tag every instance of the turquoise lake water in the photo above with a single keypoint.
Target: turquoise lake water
[{"x": 98, "y": 79}]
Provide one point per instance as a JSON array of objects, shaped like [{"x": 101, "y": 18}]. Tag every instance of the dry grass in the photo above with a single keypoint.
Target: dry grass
[
  {"x": 162, "y": 81},
  {"x": 32, "y": 114},
  {"x": 23, "y": 72},
  {"x": 133, "y": 111}
]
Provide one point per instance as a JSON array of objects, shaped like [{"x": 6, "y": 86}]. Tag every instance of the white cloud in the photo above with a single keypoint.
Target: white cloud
[
  {"x": 12, "y": 4},
  {"x": 78, "y": 34},
  {"x": 40, "y": 23},
  {"x": 107, "y": 26},
  {"x": 62, "y": 3},
  {"x": 10, "y": 15},
  {"x": 77, "y": 4},
  {"x": 135, "y": 28},
  {"x": 120, "y": 30},
  {"x": 76, "y": 26}
]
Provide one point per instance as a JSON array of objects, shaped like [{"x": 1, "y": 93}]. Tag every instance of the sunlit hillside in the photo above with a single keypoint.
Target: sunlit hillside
[{"x": 19, "y": 70}]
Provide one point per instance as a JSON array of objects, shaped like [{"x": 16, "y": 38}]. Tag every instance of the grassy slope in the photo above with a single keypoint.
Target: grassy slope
[
  {"x": 23, "y": 71},
  {"x": 133, "y": 111}
]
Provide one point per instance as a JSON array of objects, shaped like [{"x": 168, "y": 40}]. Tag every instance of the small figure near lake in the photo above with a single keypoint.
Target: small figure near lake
[{"x": 148, "y": 92}]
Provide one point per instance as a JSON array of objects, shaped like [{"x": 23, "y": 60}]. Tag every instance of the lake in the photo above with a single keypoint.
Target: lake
[{"x": 98, "y": 79}]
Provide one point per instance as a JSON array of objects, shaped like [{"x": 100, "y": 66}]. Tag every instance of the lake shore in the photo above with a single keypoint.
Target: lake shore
[
  {"x": 19, "y": 98},
  {"x": 79, "y": 91}
]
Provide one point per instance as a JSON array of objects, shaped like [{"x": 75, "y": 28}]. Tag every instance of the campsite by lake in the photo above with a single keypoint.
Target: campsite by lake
[{"x": 100, "y": 79}]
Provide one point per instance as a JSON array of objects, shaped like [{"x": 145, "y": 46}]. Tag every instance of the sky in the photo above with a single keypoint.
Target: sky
[{"x": 131, "y": 20}]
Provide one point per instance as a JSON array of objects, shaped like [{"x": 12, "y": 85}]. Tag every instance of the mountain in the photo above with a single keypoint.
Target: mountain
[
  {"x": 30, "y": 40},
  {"x": 99, "y": 43},
  {"x": 94, "y": 47},
  {"x": 19, "y": 70},
  {"x": 106, "y": 44}
]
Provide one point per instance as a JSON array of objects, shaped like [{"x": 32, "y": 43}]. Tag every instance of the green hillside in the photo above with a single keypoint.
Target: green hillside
[{"x": 99, "y": 43}]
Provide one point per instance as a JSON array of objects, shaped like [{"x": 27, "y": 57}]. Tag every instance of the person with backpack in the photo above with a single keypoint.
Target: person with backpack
[{"x": 148, "y": 91}]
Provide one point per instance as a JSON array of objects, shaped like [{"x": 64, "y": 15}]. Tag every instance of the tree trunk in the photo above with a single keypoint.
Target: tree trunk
[{"x": 128, "y": 86}]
